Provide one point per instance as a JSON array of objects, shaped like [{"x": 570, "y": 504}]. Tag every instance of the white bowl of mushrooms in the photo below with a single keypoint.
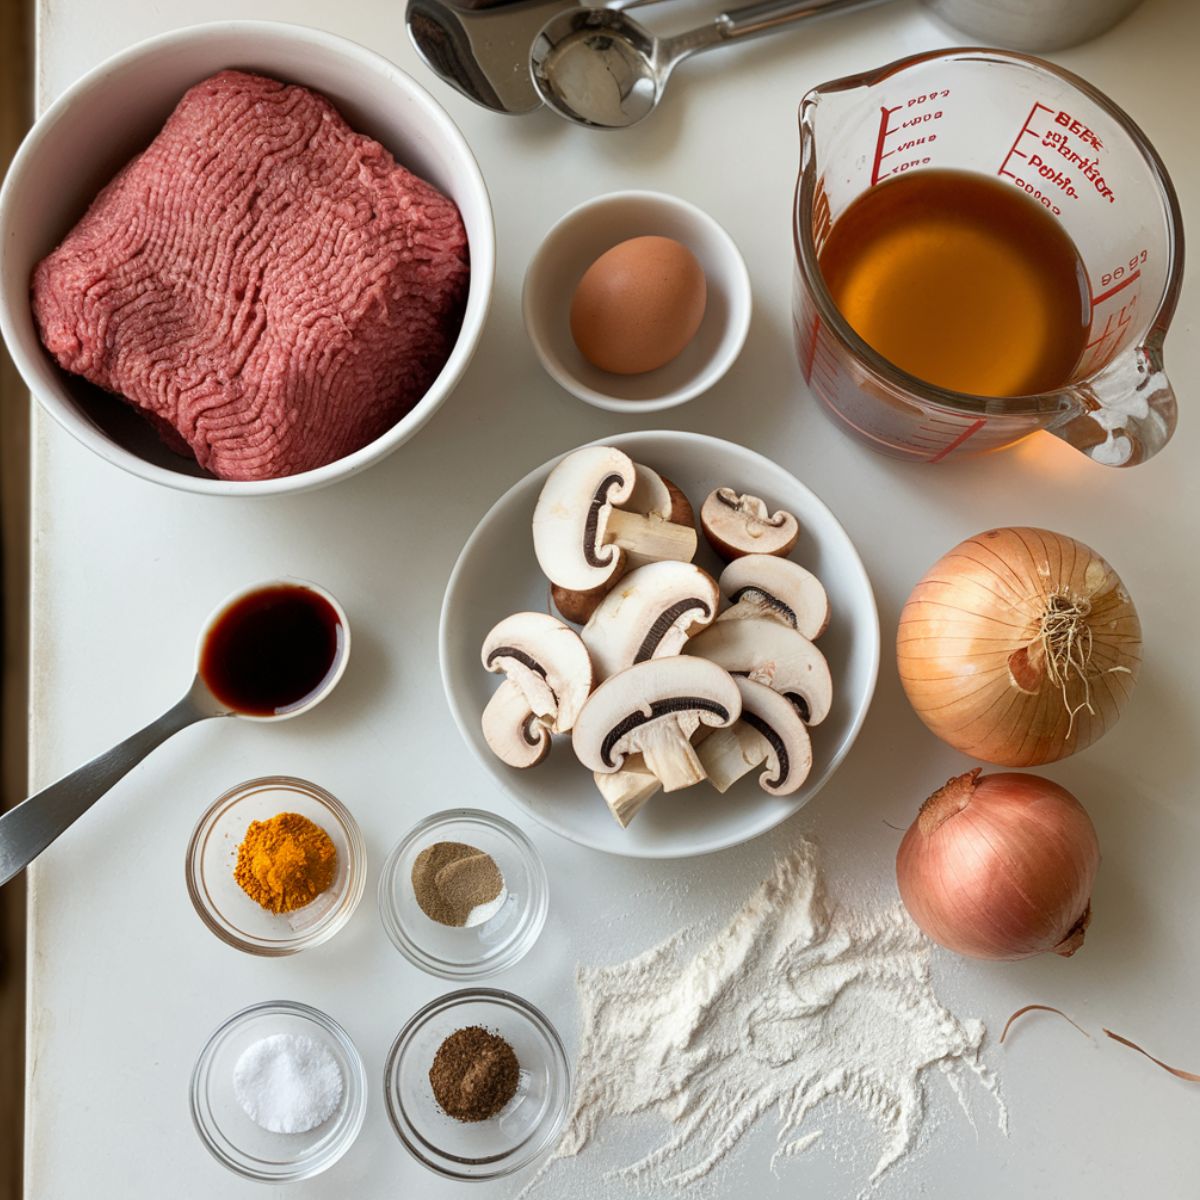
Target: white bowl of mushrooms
[{"x": 660, "y": 645}]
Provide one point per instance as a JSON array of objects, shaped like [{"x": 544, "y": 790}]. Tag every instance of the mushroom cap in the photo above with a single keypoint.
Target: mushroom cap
[
  {"x": 650, "y": 613},
  {"x": 681, "y": 512},
  {"x": 578, "y": 607},
  {"x": 637, "y": 702},
  {"x": 546, "y": 660},
  {"x": 763, "y": 585},
  {"x": 742, "y": 524},
  {"x": 516, "y": 734},
  {"x": 773, "y": 654},
  {"x": 571, "y": 516},
  {"x": 777, "y": 720}
]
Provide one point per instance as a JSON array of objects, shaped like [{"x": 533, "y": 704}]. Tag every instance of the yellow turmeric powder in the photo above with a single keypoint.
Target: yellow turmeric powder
[{"x": 286, "y": 862}]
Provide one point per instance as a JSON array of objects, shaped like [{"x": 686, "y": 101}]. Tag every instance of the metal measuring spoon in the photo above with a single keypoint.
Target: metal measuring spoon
[
  {"x": 599, "y": 67},
  {"x": 28, "y": 828},
  {"x": 481, "y": 48}
]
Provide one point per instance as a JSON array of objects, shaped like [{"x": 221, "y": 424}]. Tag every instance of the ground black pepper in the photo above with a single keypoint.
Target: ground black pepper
[{"x": 474, "y": 1074}]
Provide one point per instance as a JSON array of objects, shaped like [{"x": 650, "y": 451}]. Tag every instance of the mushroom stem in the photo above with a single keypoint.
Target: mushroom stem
[
  {"x": 670, "y": 756},
  {"x": 728, "y": 754},
  {"x": 650, "y": 538},
  {"x": 627, "y": 790}
]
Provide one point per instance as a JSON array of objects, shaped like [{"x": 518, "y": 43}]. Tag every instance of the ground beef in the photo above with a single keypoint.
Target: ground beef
[{"x": 269, "y": 287}]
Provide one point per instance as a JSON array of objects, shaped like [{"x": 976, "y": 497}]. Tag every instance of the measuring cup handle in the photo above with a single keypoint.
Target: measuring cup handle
[{"x": 1125, "y": 414}]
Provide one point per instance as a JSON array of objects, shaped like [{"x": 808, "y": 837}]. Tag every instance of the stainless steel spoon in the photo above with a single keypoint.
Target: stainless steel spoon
[
  {"x": 600, "y": 68},
  {"x": 29, "y": 827},
  {"x": 481, "y": 47}
]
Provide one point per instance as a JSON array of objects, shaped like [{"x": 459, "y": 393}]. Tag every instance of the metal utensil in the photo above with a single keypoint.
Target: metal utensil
[
  {"x": 599, "y": 67},
  {"x": 481, "y": 47},
  {"x": 28, "y": 828}
]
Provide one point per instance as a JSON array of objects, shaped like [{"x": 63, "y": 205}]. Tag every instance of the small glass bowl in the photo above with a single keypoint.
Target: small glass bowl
[
  {"x": 466, "y": 952},
  {"x": 521, "y": 1131},
  {"x": 212, "y": 856},
  {"x": 245, "y": 1147}
]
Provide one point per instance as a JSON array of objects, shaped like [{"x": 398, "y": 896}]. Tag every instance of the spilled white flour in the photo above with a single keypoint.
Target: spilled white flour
[{"x": 788, "y": 1007}]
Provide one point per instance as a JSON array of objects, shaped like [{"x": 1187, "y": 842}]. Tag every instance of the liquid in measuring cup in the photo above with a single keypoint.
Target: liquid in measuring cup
[{"x": 962, "y": 281}]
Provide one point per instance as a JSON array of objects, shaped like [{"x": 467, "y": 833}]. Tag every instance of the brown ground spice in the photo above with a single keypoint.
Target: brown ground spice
[
  {"x": 451, "y": 878},
  {"x": 286, "y": 862},
  {"x": 474, "y": 1074}
]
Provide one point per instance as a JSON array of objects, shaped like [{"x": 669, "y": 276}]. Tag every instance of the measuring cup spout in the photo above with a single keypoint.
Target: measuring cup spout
[{"x": 1125, "y": 413}]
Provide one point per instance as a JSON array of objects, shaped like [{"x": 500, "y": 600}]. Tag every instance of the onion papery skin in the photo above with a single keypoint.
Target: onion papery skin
[
  {"x": 971, "y": 652},
  {"x": 1000, "y": 867}
]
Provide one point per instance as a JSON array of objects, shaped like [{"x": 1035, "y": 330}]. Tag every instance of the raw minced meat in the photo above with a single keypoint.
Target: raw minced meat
[{"x": 262, "y": 281}]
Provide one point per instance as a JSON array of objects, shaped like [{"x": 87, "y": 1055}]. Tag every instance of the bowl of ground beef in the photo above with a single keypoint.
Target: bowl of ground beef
[{"x": 244, "y": 258}]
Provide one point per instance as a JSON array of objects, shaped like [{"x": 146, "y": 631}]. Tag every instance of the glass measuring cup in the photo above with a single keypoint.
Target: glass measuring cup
[{"x": 1069, "y": 148}]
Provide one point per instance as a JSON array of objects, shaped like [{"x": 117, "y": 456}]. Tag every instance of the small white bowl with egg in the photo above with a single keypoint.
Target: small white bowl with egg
[{"x": 577, "y": 241}]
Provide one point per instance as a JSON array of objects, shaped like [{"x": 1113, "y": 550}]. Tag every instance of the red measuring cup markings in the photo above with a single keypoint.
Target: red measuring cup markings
[{"x": 1067, "y": 147}]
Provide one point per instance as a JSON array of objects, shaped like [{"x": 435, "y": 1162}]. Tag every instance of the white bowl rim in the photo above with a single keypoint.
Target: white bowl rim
[
  {"x": 483, "y": 265},
  {"x": 718, "y": 366},
  {"x": 282, "y": 581},
  {"x": 628, "y": 441}
]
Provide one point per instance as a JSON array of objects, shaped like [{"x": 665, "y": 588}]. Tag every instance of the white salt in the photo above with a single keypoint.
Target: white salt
[
  {"x": 288, "y": 1083},
  {"x": 485, "y": 912}
]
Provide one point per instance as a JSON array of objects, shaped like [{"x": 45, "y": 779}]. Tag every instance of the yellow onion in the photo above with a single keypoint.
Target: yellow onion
[
  {"x": 1019, "y": 647},
  {"x": 1000, "y": 866}
]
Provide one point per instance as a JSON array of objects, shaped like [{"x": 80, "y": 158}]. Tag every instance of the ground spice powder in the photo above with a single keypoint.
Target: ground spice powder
[
  {"x": 474, "y": 1074},
  {"x": 451, "y": 878},
  {"x": 286, "y": 862}
]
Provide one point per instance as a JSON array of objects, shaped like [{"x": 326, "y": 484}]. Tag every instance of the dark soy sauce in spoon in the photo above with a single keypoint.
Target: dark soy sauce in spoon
[{"x": 272, "y": 650}]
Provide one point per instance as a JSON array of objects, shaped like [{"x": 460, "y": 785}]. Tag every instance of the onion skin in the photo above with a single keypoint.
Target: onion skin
[
  {"x": 972, "y": 657},
  {"x": 1000, "y": 867}
]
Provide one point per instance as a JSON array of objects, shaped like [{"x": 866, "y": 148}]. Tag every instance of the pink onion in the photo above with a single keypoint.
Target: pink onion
[{"x": 1000, "y": 866}]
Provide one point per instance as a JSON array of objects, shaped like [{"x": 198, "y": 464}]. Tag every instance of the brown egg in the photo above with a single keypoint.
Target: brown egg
[{"x": 638, "y": 305}]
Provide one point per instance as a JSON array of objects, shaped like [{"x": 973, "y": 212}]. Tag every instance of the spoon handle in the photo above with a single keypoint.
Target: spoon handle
[
  {"x": 755, "y": 19},
  {"x": 759, "y": 18},
  {"x": 29, "y": 827}
]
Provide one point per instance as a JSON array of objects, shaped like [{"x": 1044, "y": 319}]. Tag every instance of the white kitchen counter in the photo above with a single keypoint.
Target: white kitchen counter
[{"x": 125, "y": 982}]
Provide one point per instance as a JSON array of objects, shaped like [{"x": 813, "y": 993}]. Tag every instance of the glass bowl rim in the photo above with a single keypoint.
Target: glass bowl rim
[
  {"x": 500, "y": 1165},
  {"x": 527, "y": 932},
  {"x": 294, "y": 1008},
  {"x": 356, "y": 867}
]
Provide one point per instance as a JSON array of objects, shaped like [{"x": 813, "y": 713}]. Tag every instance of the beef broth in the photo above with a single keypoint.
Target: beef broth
[{"x": 272, "y": 650}]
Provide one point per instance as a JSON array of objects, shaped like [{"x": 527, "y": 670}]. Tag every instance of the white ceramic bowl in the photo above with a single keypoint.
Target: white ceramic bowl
[
  {"x": 497, "y": 574},
  {"x": 114, "y": 111},
  {"x": 577, "y": 241}
]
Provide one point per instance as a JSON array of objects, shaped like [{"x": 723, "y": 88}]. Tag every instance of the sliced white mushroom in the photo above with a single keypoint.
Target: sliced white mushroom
[
  {"x": 654, "y": 708},
  {"x": 627, "y": 790},
  {"x": 546, "y": 660},
  {"x": 742, "y": 524},
  {"x": 515, "y": 733},
  {"x": 773, "y": 654},
  {"x": 570, "y": 521},
  {"x": 649, "y": 613},
  {"x": 769, "y": 731},
  {"x": 762, "y": 585},
  {"x": 590, "y": 525}
]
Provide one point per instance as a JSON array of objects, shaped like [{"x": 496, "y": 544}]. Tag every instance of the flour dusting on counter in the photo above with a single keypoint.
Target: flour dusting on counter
[{"x": 791, "y": 1005}]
